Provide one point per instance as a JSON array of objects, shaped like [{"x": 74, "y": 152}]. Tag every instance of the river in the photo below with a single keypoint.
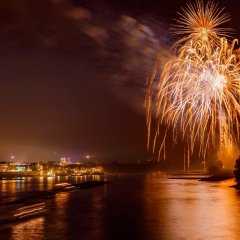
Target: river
[{"x": 147, "y": 206}]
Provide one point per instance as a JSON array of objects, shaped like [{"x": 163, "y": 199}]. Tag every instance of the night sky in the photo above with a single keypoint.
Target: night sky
[{"x": 73, "y": 74}]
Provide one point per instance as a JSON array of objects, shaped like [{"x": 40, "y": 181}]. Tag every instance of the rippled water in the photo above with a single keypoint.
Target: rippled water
[{"x": 142, "y": 206}]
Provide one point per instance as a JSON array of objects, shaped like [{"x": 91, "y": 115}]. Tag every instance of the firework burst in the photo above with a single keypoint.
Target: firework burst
[
  {"x": 199, "y": 23},
  {"x": 197, "y": 95}
]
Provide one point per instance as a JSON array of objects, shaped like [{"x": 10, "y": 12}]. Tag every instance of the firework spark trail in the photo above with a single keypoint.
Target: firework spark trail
[
  {"x": 198, "y": 92},
  {"x": 200, "y": 24}
]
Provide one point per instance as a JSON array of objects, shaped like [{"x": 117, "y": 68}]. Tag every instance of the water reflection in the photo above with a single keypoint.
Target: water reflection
[
  {"x": 144, "y": 206},
  {"x": 57, "y": 221},
  {"x": 97, "y": 212},
  {"x": 61, "y": 201},
  {"x": 33, "y": 228},
  {"x": 189, "y": 209},
  {"x": 3, "y": 186}
]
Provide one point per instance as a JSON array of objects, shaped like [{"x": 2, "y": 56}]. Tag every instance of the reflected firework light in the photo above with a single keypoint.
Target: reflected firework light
[{"x": 197, "y": 94}]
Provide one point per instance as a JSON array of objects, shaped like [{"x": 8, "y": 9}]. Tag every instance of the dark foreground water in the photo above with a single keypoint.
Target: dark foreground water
[{"x": 142, "y": 206}]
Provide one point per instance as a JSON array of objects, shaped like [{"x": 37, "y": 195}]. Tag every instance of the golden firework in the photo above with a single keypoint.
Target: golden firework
[
  {"x": 199, "y": 23},
  {"x": 197, "y": 93}
]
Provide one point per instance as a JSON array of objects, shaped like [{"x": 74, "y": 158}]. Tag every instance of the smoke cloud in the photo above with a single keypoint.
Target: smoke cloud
[{"x": 121, "y": 47}]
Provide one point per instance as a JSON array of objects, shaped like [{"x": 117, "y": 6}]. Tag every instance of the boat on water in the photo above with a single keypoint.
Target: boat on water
[
  {"x": 77, "y": 175},
  {"x": 51, "y": 174}
]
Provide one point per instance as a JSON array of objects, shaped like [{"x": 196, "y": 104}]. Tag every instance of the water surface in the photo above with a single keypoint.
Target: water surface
[{"x": 145, "y": 206}]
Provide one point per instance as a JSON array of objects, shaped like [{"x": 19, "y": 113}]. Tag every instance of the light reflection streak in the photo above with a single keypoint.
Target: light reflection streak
[
  {"x": 60, "y": 208},
  {"x": 61, "y": 200},
  {"x": 30, "y": 210}
]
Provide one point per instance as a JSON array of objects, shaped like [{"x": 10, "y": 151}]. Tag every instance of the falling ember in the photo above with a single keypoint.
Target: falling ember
[{"x": 197, "y": 94}]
